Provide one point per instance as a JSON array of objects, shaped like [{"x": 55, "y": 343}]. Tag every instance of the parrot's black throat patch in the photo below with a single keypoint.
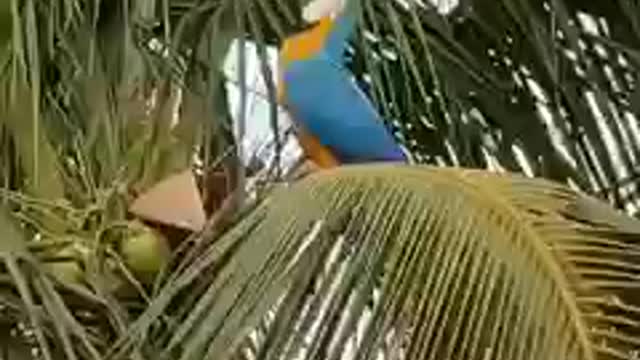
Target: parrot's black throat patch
[{"x": 304, "y": 26}]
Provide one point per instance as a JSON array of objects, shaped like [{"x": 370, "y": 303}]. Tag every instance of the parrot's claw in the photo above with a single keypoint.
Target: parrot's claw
[{"x": 307, "y": 167}]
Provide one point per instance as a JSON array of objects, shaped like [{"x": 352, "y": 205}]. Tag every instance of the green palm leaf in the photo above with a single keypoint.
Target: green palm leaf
[
  {"x": 443, "y": 263},
  {"x": 418, "y": 262},
  {"x": 457, "y": 89}
]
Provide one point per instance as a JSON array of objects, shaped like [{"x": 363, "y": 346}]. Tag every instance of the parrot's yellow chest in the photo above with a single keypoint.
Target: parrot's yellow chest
[{"x": 306, "y": 44}]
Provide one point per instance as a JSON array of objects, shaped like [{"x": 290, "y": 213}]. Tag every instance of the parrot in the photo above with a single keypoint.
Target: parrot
[{"x": 335, "y": 122}]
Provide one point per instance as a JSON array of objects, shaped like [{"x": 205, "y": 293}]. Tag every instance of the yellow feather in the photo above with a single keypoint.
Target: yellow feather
[
  {"x": 315, "y": 151},
  {"x": 306, "y": 44}
]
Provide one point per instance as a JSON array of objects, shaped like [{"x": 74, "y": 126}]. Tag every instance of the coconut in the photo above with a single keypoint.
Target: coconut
[{"x": 145, "y": 251}]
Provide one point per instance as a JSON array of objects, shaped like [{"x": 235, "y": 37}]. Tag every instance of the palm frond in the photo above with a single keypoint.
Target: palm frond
[
  {"x": 541, "y": 88},
  {"x": 417, "y": 262},
  {"x": 424, "y": 262},
  {"x": 526, "y": 83},
  {"x": 79, "y": 138}
]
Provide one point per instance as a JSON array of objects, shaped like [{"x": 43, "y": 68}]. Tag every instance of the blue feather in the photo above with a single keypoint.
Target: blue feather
[
  {"x": 325, "y": 100},
  {"x": 343, "y": 28}
]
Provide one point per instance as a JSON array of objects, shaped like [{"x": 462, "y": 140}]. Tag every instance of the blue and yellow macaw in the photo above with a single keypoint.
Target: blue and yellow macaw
[{"x": 336, "y": 123}]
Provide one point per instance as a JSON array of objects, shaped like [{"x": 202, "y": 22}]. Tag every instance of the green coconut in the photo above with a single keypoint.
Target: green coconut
[{"x": 145, "y": 251}]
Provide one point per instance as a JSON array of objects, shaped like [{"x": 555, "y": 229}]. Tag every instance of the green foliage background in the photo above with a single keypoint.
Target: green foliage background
[{"x": 87, "y": 113}]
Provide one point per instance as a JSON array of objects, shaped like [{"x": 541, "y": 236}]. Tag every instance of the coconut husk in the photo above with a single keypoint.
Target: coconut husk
[{"x": 174, "y": 201}]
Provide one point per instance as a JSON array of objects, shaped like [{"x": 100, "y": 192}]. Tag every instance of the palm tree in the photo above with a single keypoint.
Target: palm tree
[{"x": 101, "y": 100}]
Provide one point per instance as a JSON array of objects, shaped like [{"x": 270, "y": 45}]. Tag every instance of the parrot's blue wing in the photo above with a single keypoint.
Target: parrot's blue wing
[{"x": 324, "y": 99}]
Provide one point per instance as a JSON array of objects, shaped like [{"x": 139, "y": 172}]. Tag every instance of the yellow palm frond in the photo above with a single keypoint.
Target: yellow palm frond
[{"x": 414, "y": 262}]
